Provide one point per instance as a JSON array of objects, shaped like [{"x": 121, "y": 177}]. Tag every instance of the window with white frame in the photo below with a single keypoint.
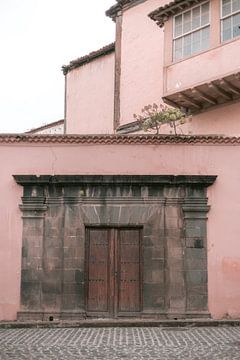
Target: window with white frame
[
  {"x": 191, "y": 31},
  {"x": 230, "y": 22}
]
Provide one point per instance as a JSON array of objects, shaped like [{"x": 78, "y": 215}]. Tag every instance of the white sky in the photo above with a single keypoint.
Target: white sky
[{"x": 37, "y": 37}]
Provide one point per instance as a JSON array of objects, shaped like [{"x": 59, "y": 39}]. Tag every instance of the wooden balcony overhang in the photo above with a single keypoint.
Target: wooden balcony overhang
[{"x": 206, "y": 95}]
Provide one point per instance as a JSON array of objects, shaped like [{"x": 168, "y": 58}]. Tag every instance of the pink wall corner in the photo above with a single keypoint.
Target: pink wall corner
[
  {"x": 90, "y": 97},
  {"x": 207, "y": 159},
  {"x": 141, "y": 60}
]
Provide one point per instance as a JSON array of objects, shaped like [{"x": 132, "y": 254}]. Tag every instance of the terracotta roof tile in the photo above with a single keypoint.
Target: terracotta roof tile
[
  {"x": 88, "y": 58},
  {"x": 118, "y": 139},
  {"x": 112, "y": 12},
  {"x": 163, "y": 13}
]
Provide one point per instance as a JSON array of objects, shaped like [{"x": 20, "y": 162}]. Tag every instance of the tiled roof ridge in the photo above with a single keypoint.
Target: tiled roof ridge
[
  {"x": 88, "y": 58},
  {"x": 139, "y": 139},
  {"x": 46, "y": 126}
]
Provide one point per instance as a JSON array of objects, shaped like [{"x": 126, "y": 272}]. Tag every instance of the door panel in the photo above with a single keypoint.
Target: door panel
[
  {"x": 98, "y": 270},
  {"x": 113, "y": 280},
  {"x": 129, "y": 270}
]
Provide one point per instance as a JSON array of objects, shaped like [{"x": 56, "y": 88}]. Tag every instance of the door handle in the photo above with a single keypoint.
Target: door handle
[{"x": 115, "y": 273}]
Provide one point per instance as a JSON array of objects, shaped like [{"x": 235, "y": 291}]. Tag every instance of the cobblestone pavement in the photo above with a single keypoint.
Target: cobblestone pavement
[{"x": 121, "y": 343}]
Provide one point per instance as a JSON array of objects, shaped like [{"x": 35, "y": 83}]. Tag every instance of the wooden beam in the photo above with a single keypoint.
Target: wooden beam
[
  {"x": 193, "y": 102},
  {"x": 205, "y": 96},
  {"x": 237, "y": 76},
  {"x": 171, "y": 102},
  {"x": 117, "y": 79},
  {"x": 220, "y": 91},
  {"x": 232, "y": 87}
]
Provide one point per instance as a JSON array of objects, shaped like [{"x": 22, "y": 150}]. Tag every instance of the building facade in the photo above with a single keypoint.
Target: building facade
[{"x": 106, "y": 221}]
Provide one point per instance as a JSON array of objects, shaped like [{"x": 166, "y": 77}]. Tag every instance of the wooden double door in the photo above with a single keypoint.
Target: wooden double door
[{"x": 113, "y": 271}]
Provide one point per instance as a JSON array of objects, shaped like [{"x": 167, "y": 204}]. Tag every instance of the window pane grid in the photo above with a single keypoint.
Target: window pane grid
[
  {"x": 233, "y": 13},
  {"x": 191, "y": 16},
  {"x": 230, "y": 19},
  {"x": 191, "y": 31},
  {"x": 192, "y": 43}
]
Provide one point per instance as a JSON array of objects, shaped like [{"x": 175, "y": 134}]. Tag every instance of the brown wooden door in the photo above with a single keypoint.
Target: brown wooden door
[
  {"x": 113, "y": 271},
  {"x": 98, "y": 257},
  {"x": 129, "y": 271}
]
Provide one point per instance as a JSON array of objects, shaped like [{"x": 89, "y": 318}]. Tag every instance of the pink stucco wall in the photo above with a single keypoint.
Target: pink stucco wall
[
  {"x": 207, "y": 159},
  {"x": 223, "y": 120},
  {"x": 141, "y": 60},
  {"x": 90, "y": 97},
  {"x": 219, "y": 120},
  {"x": 210, "y": 65}
]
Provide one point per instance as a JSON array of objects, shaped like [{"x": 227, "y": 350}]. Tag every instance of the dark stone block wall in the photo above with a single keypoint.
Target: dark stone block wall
[{"x": 172, "y": 211}]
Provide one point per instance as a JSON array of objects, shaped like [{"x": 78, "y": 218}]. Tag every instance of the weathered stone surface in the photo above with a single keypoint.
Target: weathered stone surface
[
  {"x": 173, "y": 221},
  {"x": 31, "y": 295},
  {"x": 153, "y": 297}
]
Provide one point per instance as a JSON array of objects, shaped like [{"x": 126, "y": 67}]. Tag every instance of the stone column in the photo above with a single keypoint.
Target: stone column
[
  {"x": 154, "y": 260},
  {"x": 73, "y": 301},
  {"x": 175, "y": 279},
  {"x": 195, "y": 211},
  {"x": 53, "y": 253},
  {"x": 33, "y": 209}
]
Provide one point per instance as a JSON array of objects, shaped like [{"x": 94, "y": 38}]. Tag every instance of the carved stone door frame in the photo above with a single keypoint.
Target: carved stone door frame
[{"x": 172, "y": 211}]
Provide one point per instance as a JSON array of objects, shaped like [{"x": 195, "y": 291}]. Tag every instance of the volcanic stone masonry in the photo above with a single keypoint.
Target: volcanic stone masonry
[{"x": 170, "y": 213}]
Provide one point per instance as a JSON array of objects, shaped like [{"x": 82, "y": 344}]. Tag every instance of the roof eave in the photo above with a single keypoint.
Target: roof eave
[
  {"x": 108, "y": 49},
  {"x": 163, "y": 13},
  {"x": 113, "y": 11},
  {"x": 121, "y": 4}
]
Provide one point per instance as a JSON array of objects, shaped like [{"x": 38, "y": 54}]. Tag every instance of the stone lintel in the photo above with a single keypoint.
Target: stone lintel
[
  {"x": 171, "y": 180},
  {"x": 33, "y": 207}
]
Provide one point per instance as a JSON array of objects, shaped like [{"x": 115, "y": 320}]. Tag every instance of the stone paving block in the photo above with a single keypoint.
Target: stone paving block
[{"x": 121, "y": 343}]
